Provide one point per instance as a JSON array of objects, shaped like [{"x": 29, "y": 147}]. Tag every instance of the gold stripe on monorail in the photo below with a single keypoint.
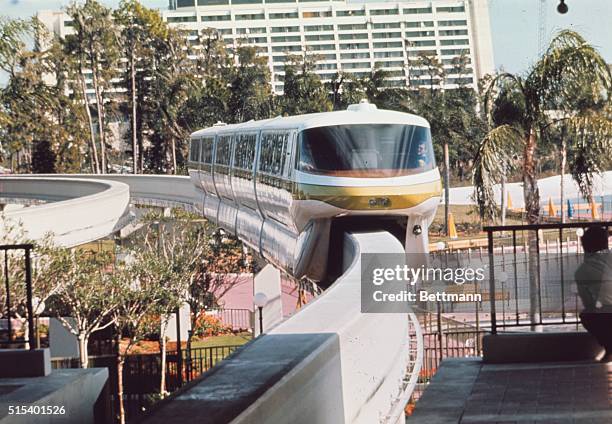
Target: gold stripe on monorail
[{"x": 370, "y": 198}]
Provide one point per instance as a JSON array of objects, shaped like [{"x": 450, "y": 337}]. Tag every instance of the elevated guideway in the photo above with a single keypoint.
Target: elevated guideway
[
  {"x": 329, "y": 363},
  {"x": 81, "y": 208}
]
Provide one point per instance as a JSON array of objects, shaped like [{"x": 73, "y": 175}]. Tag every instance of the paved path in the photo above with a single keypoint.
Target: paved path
[{"x": 467, "y": 391}]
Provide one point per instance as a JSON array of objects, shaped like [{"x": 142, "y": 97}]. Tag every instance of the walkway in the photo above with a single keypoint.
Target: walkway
[{"x": 467, "y": 391}]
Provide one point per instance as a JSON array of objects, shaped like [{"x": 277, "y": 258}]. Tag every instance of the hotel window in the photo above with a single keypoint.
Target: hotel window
[
  {"x": 419, "y": 24},
  {"x": 417, "y": 10},
  {"x": 250, "y": 30},
  {"x": 286, "y": 15},
  {"x": 462, "y": 42},
  {"x": 387, "y": 35},
  {"x": 356, "y": 65},
  {"x": 319, "y": 37},
  {"x": 358, "y": 36},
  {"x": 212, "y": 2},
  {"x": 417, "y": 53},
  {"x": 286, "y": 29},
  {"x": 447, "y": 52},
  {"x": 317, "y": 14},
  {"x": 388, "y": 54},
  {"x": 452, "y": 23},
  {"x": 328, "y": 56},
  {"x": 420, "y": 34},
  {"x": 250, "y": 17},
  {"x": 354, "y": 46},
  {"x": 358, "y": 12},
  {"x": 449, "y": 32},
  {"x": 286, "y": 48},
  {"x": 378, "y": 12},
  {"x": 454, "y": 60},
  {"x": 389, "y": 44},
  {"x": 451, "y": 9},
  {"x": 325, "y": 66},
  {"x": 386, "y": 25},
  {"x": 277, "y": 59},
  {"x": 350, "y": 27},
  {"x": 322, "y": 47},
  {"x": 424, "y": 43},
  {"x": 224, "y": 31},
  {"x": 362, "y": 55},
  {"x": 311, "y": 28},
  {"x": 215, "y": 18},
  {"x": 185, "y": 3},
  {"x": 390, "y": 64},
  {"x": 175, "y": 19},
  {"x": 285, "y": 39}
]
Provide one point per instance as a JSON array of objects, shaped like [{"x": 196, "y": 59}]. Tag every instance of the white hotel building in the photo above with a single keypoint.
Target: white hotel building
[{"x": 349, "y": 36}]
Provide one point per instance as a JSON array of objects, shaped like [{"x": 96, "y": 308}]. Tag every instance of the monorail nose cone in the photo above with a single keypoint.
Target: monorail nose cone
[{"x": 362, "y": 106}]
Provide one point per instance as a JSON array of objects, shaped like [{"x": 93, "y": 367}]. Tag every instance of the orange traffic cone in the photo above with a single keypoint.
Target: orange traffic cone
[
  {"x": 452, "y": 230},
  {"x": 510, "y": 201},
  {"x": 552, "y": 211},
  {"x": 594, "y": 210}
]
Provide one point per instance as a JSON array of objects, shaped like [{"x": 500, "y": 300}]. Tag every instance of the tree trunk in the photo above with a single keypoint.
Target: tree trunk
[
  {"x": 503, "y": 198},
  {"x": 133, "y": 98},
  {"x": 92, "y": 136},
  {"x": 446, "y": 189},
  {"x": 100, "y": 113},
  {"x": 562, "y": 184},
  {"x": 531, "y": 193},
  {"x": 162, "y": 341},
  {"x": 120, "y": 403},
  {"x": 83, "y": 354},
  {"x": 532, "y": 210},
  {"x": 173, "y": 146}
]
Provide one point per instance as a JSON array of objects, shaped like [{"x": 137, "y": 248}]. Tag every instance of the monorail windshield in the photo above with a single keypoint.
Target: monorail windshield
[{"x": 366, "y": 150}]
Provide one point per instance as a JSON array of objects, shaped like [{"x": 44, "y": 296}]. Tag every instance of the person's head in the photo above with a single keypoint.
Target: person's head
[{"x": 595, "y": 239}]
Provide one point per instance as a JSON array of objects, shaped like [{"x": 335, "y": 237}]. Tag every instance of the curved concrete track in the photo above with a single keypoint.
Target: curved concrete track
[
  {"x": 78, "y": 210},
  {"x": 82, "y": 208}
]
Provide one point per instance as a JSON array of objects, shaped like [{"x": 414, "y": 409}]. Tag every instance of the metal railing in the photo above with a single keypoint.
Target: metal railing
[
  {"x": 521, "y": 297},
  {"x": 27, "y": 266}
]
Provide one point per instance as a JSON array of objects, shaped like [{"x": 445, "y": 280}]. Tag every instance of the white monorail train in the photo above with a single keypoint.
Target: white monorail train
[{"x": 287, "y": 186}]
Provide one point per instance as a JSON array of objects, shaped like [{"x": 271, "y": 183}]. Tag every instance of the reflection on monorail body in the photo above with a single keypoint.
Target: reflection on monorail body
[{"x": 286, "y": 185}]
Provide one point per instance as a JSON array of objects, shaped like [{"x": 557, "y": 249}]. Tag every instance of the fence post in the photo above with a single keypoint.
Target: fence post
[
  {"x": 492, "y": 282},
  {"x": 28, "y": 277}
]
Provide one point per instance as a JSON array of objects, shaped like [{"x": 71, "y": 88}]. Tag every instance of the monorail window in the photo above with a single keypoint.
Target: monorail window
[
  {"x": 224, "y": 150},
  {"x": 272, "y": 158},
  {"x": 207, "y": 150},
  {"x": 366, "y": 150},
  {"x": 244, "y": 154},
  {"x": 194, "y": 151}
]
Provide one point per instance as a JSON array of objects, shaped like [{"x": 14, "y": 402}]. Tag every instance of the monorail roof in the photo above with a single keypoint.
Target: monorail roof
[{"x": 359, "y": 114}]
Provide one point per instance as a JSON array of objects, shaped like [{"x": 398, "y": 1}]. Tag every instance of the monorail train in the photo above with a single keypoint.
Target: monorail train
[{"x": 286, "y": 186}]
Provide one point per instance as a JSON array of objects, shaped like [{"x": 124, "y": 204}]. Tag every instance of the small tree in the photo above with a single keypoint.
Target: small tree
[{"x": 88, "y": 294}]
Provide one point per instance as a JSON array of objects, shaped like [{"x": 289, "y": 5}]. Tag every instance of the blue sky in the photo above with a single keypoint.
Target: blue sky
[{"x": 514, "y": 24}]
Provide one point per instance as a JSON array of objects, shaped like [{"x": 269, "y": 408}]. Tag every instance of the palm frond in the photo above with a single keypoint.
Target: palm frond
[
  {"x": 589, "y": 146},
  {"x": 501, "y": 81},
  {"x": 495, "y": 157}
]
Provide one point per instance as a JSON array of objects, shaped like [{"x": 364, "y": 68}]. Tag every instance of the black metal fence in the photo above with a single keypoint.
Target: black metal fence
[
  {"x": 531, "y": 274},
  {"x": 10, "y": 305},
  {"x": 142, "y": 373}
]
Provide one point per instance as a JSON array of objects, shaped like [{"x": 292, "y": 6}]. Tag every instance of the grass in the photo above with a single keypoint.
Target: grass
[{"x": 223, "y": 340}]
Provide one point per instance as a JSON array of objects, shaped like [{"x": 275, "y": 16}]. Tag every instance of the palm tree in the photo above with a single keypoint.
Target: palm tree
[
  {"x": 547, "y": 98},
  {"x": 559, "y": 93}
]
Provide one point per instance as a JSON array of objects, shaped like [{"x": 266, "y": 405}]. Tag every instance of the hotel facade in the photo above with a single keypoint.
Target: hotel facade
[{"x": 350, "y": 37}]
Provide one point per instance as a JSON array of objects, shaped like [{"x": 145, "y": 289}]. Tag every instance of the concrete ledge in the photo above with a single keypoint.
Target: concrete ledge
[
  {"x": 539, "y": 347},
  {"x": 15, "y": 363},
  {"x": 72, "y": 395}
]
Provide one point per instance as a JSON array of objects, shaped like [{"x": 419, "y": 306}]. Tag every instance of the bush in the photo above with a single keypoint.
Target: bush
[{"x": 209, "y": 325}]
